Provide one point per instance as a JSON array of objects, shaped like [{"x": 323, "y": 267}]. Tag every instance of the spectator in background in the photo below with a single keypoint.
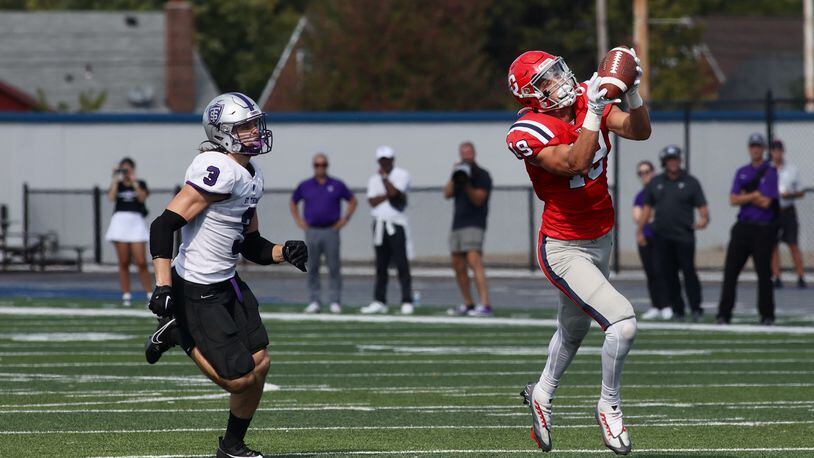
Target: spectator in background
[
  {"x": 755, "y": 191},
  {"x": 647, "y": 251},
  {"x": 322, "y": 209},
  {"x": 471, "y": 186},
  {"x": 675, "y": 195},
  {"x": 387, "y": 195},
  {"x": 127, "y": 229},
  {"x": 789, "y": 188}
]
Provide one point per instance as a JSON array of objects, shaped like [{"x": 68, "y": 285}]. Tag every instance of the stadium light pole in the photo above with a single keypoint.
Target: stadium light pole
[
  {"x": 808, "y": 52},
  {"x": 601, "y": 30},
  {"x": 642, "y": 44}
]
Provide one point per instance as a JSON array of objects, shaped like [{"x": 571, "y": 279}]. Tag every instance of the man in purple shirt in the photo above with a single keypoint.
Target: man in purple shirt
[
  {"x": 755, "y": 191},
  {"x": 321, "y": 222}
]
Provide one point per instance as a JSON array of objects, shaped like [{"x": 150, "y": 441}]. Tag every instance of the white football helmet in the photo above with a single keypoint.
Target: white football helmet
[{"x": 232, "y": 109}]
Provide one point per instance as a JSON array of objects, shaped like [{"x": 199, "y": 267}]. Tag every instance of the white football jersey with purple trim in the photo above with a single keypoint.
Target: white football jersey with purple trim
[{"x": 211, "y": 241}]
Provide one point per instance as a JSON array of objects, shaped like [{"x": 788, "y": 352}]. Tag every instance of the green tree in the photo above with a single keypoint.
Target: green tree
[{"x": 397, "y": 55}]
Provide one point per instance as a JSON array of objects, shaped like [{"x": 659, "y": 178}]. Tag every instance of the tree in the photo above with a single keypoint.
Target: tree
[{"x": 396, "y": 55}]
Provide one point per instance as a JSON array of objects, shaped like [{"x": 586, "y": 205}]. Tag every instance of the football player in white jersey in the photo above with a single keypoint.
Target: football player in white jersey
[{"x": 204, "y": 305}]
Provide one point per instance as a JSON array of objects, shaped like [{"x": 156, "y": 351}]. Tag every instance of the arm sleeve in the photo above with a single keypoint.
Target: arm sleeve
[
  {"x": 209, "y": 173},
  {"x": 161, "y": 233},
  {"x": 257, "y": 249}
]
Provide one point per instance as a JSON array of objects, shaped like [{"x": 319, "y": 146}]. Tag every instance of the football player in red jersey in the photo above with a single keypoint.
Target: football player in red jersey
[{"x": 562, "y": 136}]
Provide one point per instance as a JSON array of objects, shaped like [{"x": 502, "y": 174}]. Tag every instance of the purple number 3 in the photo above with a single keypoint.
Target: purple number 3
[{"x": 212, "y": 178}]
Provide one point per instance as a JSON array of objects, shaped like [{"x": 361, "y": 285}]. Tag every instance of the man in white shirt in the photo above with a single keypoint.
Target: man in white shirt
[
  {"x": 387, "y": 196},
  {"x": 788, "y": 183}
]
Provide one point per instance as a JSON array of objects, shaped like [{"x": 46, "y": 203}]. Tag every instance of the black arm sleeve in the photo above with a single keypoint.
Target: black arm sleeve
[
  {"x": 257, "y": 249},
  {"x": 161, "y": 232}
]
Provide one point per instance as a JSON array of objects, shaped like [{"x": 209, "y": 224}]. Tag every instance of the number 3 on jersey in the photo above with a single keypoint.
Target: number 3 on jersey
[{"x": 578, "y": 181}]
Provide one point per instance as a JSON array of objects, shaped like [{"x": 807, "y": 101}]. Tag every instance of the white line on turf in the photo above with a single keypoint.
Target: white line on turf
[
  {"x": 432, "y": 320},
  {"x": 702, "y": 423}
]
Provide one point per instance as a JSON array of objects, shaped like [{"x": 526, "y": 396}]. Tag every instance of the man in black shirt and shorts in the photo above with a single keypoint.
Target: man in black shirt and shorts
[
  {"x": 675, "y": 195},
  {"x": 471, "y": 186}
]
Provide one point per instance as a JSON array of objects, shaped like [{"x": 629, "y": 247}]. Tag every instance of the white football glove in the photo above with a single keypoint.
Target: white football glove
[
  {"x": 596, "y": 103},
  {"x": 634, "y": 100}
]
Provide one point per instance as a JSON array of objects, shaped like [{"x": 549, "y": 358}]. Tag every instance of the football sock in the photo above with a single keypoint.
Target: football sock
[
  {"x": 235, "y": 430},
  {"x": 618, "y": 339},
  {"x": 561, "y": 351}
]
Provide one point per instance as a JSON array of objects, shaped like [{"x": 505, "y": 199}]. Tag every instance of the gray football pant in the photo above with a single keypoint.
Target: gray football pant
[
  {"x": 323, "y": 241},
  {"x": 579, "y": 269}
]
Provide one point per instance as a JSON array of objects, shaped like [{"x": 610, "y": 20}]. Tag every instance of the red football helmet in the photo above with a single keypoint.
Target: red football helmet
[{"x": 542, "y": 82}]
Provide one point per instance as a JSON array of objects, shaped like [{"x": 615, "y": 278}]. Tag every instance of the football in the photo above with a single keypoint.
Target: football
[{"x": 617, "y": 71}]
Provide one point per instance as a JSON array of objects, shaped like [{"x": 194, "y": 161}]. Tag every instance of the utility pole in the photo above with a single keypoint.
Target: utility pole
[
  {"x": 601, "y": 30},
  {"x": 808, "y": 52},
  {"x": 642, "y": 43}
]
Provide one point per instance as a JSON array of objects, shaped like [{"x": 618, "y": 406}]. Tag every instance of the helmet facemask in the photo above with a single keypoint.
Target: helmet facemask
[
  {"x": 248, "y": 143},
  {"x": 554, "y": 85}
]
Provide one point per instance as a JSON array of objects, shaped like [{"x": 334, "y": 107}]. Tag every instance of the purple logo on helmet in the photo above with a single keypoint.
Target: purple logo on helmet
[{"x": 214, "y": 113}]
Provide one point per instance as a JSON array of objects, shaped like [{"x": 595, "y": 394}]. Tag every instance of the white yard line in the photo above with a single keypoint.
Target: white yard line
[
  {"x": 432, "y": 320},
  {"x": 700, "y": 423}
]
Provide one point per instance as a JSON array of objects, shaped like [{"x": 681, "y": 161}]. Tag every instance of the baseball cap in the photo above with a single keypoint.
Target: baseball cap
[
  {"x": 670, "y": 151},
  {"x": 757, "y": 139},
  {"x": 385, "y": 151},
  {"x": 777, "y": 144}
]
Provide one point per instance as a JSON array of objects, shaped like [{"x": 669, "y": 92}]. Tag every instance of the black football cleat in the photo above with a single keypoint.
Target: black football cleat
[
  {"x": 161, "y": 340},
  {"x": 238, "y": 451}
]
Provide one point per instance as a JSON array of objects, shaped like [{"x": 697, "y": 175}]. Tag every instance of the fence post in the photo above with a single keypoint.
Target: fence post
[
  {"x": 97, "y": 225},
  {"x": 616, "y": 204},
  {"x": 687, "y": 111},
  {"x": 532, "y": 238},
  {"x": 25, "y": 214},
  {"x": 769, "y": 117}
]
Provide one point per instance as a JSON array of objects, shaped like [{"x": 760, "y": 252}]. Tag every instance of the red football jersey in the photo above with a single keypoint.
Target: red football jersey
[{"x": 577, "y": 208}]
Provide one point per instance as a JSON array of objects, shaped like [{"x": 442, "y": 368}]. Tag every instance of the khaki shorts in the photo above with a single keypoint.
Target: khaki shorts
[
  {"x": 579, "y": 269},
  {"x": 466, "y": 239}
]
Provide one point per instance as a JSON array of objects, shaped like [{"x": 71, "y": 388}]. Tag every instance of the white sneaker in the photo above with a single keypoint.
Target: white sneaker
[
  {"x": 667, "y": 313},
  {"x": 614, "y": 433},
  {"x": 540, "y": 408},
  {"x": 481, "y": 311},
  {"x": 407, "y": 308},
  {"x": 127, "y": 299},
  {"x": 336, "y": 308},
  {"x": 374, "y": 307},
  {"x": 651, "y": 314},
  {"x": 313, "y": 307}
]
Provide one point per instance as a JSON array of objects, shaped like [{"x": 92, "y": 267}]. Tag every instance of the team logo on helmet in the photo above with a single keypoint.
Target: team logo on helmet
[{"x": 214, "y": 113}]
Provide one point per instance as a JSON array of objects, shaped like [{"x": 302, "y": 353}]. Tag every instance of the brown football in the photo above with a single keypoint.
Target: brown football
[{"x": 617, "y": 71}]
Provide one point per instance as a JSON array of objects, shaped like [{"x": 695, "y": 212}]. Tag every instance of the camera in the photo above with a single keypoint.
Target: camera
[{"x": 461, "y": 173}]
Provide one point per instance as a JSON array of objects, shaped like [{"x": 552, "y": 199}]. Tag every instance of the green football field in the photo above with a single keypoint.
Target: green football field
[{"x": 73, "y": 383}]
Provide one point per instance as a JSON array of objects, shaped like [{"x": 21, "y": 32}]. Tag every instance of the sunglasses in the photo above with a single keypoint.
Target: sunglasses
[
  {"x": 644, "y": 172},
  {"x": 320, "y": 165}
]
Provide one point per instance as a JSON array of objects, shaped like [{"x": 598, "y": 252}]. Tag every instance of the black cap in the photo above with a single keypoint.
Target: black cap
[
  {"x": 757, "y": 139},
  {"x": 670, "y": 152},
  {"x": 777, "y": 144}
]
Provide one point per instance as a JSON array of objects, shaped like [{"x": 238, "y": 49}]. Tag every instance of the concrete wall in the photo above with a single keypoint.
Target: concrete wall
[{"x": 81, "y": 155}]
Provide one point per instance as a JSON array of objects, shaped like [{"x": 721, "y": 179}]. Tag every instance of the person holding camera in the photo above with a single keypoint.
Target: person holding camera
[
  {"x": 470, "y": 186},
  {"x": 127, "y": 229},
  {"x": 675, "y": 195},
  {"x": 755, "y": 191},
  {"x": 387, "y": 196}
]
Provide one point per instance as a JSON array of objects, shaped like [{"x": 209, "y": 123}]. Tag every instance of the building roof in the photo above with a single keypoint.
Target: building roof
[
  {"x": 62, "y": 54},
  {"x": 756, "y": 54}
]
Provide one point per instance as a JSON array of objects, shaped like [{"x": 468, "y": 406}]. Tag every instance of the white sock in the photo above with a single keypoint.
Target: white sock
[
  {"x": 561, "y": 351},
  {"x": 618, "y": 340}
]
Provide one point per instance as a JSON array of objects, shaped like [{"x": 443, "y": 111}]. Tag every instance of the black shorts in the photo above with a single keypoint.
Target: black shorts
[
  {"x": 788, "y": 226},
  {"x": 222, "y": 320}
]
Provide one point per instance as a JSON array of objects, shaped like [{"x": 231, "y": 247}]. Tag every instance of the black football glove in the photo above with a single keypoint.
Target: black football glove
[
  {"x": 295, "y": 252},
  {"x": 161, "y": 303}
]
